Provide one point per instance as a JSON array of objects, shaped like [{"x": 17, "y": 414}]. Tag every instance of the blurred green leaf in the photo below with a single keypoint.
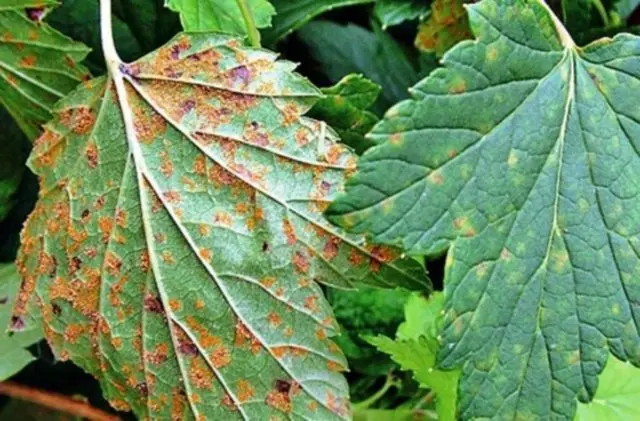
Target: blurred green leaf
[
  {"x": 341, "y": 50},
  {"x": 395, "y": 12},
  {"x": 220, "y": 15},
  {"x": 293, "y": 14},
  {"x": 17, "y": 410},
  {"x": 13, "y": 155},
  {"x": 344, "y": 108},
  {"x": 617, "y": 397},
  {"x": 12, "y": 346}
]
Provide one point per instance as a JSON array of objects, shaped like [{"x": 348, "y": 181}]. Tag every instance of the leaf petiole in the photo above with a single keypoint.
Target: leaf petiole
[{"x": 252, "y": 29}]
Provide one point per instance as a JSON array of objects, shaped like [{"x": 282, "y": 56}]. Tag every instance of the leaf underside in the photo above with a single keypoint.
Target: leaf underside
[
  {"x": 179, "y": 263},
  {"x": 520, "y": 156},
  {"x": 38, "y": 65}
]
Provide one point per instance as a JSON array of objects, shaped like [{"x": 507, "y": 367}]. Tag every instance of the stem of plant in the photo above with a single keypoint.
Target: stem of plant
[
  {"x": 55, "y": 401},
  {"x": 252, "y": 29},
  {"x": 602, "y": 11},
  {"x": 106, "y": 34},
  {"x": 390, "y": 382},
  {"x": 564, "y": 35}
]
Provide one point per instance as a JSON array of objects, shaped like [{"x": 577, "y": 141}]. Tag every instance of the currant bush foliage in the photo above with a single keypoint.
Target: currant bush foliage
[{"x": 520, "y": 156}]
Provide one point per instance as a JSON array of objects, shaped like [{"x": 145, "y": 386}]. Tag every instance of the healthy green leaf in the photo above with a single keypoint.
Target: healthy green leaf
[
  {"x": 352, "y": 49},
  {"x": 617, "y": 397},
  {"x": 292, "y": 15},
  {"x": 416, "y": 348},
  {"x": 344, "y": 108},
  {"x": 38, "y": 65},
  {"x": 447, "y": 25},
  {"x": 395, "y": 12},
  {"x": 12, "y": 346},
  {"x": 178, "y": 255},
  {"x": 220, "y": 15},
  {"x": 12, "y": 157},
  {"x": 520, "y": 156}
]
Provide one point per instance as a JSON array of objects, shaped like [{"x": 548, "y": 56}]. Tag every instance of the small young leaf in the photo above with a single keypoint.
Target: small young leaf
[
  {"x": 395, "y": 12},
  {"x": 520, "y": 155},
  {"x": 292, "y": 15},
  {"x": 38, "y": 65},
  {"x": 447, "y": 25},
  {"x": 220, "y": 15},
  {"x": 12, "y": 346},
  {"x": 352, "y": 49},
  {"x": 178, "y": 239},
  {"x": 344, "y": 108},
  {"x": 617, "y": 397},
  {"x": 416, "y": 348}
]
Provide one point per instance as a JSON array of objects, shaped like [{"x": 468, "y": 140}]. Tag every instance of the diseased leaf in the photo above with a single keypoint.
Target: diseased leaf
[
  {"x": 220, "y": 15},
  {"x": 416, "y": 348},
  {"x": 352, "y": 49},
  {"x": 12, "y": 346},
  {"x": 12, "y": 157},
  {"x": 38, "y": 65},
  {"x": 178, "y": 254},
  {"x": 447, "y": 25},
  {"x": 520, "y": 156},
  {"x": 344, "y": 108},
  {"x": 395, "y": 12},
  {"x": 292, "y": 15},
  {"x": 617, "y": 397}
]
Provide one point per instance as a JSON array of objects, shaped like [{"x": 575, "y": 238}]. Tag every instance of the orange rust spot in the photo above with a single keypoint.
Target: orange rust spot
[
  {"x": 311, "y": 303},
  {"x": 228, "y": 403},
  {"x": 301, "y": 262},
  {"x": 144, "y": 261},
  {"x": 199, "y": 304},
  {"x": 435, "y": 177},
  {"x": 274, "y": 319},
  {"x": 288, "y": 331},
  {"x": 244, "y": 391},
  {"x": 83, "y": 120},
  {"x": 105, "y": 225},
  {"x": 289, "y": 232},
  {"x": 268, "y": 281},
  {"x": 303, "y": 282},
  {"x": 175, "y": 305},
  {"x": 279, "y": 400},
  {"x": 166, "y": 167},
  {"x": 158, "y": 355},
  {"x": 72, "y": 332},
  {"x": 113, "y": 263},
  {"x": 335, "y": 367},
  {"x": 121, "y": 217},
  {"x": 92, "y": 155},
  {"x": 167, "y": 257},
  {"x": 243, "y": 337},
  {"x": 321, "y": 334},
  {"x": 331, "y": 248},
  {"x": 205, "y": 254},
  {"x": 223, "y": 218},
  {"x": 200, "y": 374},
  {"x": 221, "y": 357},
  {"x": 172, "y": 197},
  {"x": 355, "y": 257},
  {"x": 200, "y": 165},
  {"x": 27, "y": 61}
]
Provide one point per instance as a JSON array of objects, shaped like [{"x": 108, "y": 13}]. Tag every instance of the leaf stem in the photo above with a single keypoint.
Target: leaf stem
[
  {"x": 390, "y": 382},
  {"x": 602, "y": 11},
  {"x": 564, "y": 35},
  {"x": 56, "y": 401},
  {"x": 106, "y": 34},
  {"x": 252, "y": 29}
]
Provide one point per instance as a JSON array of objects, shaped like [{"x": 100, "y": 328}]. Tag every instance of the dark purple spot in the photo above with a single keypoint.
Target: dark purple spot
[
  {"x": 130, "y": 69},
  {"x": 226, "y": 111},
  {"x": 76, "y": 264},
  {"x": 175, "y": 52},
  {"x": 188, "y": 105},
  {"x": 188, "y": 348},
  {"x": 54, "y": 267},
  {"x": 195, "y": 57},
  {"x": 325, "y": 185},
  {"x": 85, "y": 214},
  {"x": 265, "y": 247},
  {"x": 242, "y": 73},
  {"x": 283, "y": 386},
  {"x": 143, "y": 389},
  {"x": 255, "y": 125},
  {"x": 35, "y": 14},
  {"x": 153, "y": 304},
  {"x": 4, "y": 300},
  {"x": 17, "y": 323},
  {"x": 56, "y": 309}
]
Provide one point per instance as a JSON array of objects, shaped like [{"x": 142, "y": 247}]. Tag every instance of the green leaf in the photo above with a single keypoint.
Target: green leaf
[
  {"x": 617, "y": 397},
  {"x": 293, "y": 14},
  {"x": 38, "y": 65},
  {"x": 344, "y": 108},
  {"x": 16, "y": 409},
  {"x": 395, "y": 12},
  {"x": 12, "y": 158},
  {"x": 626, "y": 7},
  {"x": 12, "y": 346},
  {"x": 447, "y": 25},
  {"x": 180, "y": 256},
  {"x": 352, "y": 49},
  {"x": 520, "y": 156},
  {"x": 415, "y": 349},
  {"x": 220, "y": 15}
]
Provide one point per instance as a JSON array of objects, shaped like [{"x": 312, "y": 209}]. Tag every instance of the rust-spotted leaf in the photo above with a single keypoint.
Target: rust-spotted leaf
[
  {"x": 178, "y": 240},
  {"x": 38, "y": 65},
  {"x": 447, "y": 25}
]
